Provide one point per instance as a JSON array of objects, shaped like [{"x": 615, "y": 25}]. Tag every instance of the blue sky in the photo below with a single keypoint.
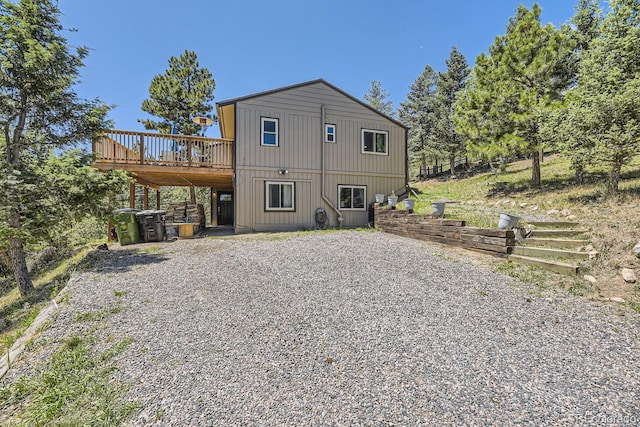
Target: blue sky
[{"x": 254, "y": 45}]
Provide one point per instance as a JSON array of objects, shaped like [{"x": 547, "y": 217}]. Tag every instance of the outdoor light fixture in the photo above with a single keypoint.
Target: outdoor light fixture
[
  {"x": 283, "y": 171},
  {"x": 203, "y": 121}
]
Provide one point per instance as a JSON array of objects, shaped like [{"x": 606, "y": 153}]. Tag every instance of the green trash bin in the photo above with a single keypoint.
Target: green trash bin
[{"x": 126, "y": 225}]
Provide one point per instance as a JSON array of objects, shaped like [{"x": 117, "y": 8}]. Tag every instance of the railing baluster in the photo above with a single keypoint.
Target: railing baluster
[
  {"x": 189, "y": 152},
  {"x": 142, "y": 149}
]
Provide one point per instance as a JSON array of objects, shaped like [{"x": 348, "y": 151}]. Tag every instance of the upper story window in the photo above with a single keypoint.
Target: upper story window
[
  {"x": 280, "y": 196},
  {"x": 269, "y": 131},
  {"x": 352, "y": 197},
  {"x": 329, "y": 133},
  {"x": 375, "y": 141}
]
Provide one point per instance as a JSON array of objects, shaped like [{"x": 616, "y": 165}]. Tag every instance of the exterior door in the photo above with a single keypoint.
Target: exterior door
[{"x": 225, "y": 208}]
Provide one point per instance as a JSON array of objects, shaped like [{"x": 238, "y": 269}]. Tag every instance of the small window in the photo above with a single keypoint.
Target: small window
[
  {"x": 269, "y": 131},
  {"x": 374, "y": 141},
  {"x": 352, "y": 197},
  {"x": 280, "y": 196},
  {"x": 329, "y": 133}
]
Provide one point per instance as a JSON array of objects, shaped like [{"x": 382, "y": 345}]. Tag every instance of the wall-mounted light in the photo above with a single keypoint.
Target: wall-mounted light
[{"x": 283, "y": 171}]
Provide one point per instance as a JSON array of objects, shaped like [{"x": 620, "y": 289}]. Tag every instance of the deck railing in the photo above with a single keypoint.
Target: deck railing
[{"x": 117, "y": 146}]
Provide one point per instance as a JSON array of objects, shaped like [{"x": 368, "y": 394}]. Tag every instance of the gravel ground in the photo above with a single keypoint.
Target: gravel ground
[{"x": 350, "y": 328}]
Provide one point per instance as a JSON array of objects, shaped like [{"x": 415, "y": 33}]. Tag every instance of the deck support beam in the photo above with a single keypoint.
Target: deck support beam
[
  {"x": 145, "y": 202},
  {"x": 211, "y": 205},
  {"x": 112, "y": 204},
  {"x": 157, "y": 199},
  {"x": 132, "y": 195}
]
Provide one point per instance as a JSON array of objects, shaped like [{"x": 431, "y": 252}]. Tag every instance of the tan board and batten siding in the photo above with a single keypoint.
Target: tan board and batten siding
[{"x": 301, "y": 139}]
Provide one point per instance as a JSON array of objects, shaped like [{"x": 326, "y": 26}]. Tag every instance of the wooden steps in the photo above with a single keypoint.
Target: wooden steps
[{"x": 552, "y": 246}]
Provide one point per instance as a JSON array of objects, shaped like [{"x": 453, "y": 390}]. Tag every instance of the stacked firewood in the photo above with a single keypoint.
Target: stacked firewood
[{"x": 186, "y": 213}]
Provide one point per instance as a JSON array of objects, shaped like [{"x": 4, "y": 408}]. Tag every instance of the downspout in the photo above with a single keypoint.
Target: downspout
[
  {"x": 327, "y": 201},
  {"x": 406, "y": 161}
]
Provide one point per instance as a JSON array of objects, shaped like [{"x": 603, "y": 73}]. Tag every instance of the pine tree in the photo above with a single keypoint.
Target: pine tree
[
  {"x": 446, "y": 138},
  {"x": 376, "y": 97},
  {"x": 418, "y": 113},
  {"x": 39, "y": 113},
  {"x": 481, "y": 114},
  {"x": 605, "y": 106},
  {"x": 564, "y": 118},
  {"x": 586, "y": 22},
  {"x": 526, "y": 70},
  {"x": 183, "y": 92}
]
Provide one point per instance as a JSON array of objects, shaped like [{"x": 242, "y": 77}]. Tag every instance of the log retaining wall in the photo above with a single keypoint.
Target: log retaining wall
[{"x": 446, "y": 231}]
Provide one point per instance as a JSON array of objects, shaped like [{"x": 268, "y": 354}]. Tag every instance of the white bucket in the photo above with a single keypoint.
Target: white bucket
[
  {"x": 379, "y": 198},
  {"x": 438, "y": 208},
  {"x": 507, "y": 221},
  {"x": 409, "y": 204},
  {"x": 392, "y": 201}
]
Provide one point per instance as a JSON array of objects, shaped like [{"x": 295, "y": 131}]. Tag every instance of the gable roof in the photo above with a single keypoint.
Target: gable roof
[{"x": 311, "y": 82}]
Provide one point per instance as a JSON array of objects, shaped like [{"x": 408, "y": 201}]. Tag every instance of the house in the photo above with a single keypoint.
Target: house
[
  {"x": 284, "y": 154},
  {"x": 310, "y": 146}
]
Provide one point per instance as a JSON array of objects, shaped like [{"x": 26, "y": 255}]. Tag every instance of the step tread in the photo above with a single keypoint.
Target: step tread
[
  {"x": 553, "y": 223},
  {"x": 560, "y": 231},
  {"x": 554, "y": 243},
  {"x": 558, "y": 267},
  {"x": 562, "y": 253},
  {"x": 546, "y": 239}
]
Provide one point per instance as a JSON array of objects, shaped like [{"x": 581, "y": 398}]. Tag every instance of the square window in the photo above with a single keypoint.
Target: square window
[
  {"x": 280, "y": 196},
  {"x": 375, "y": 141},
  {"x": 352, "y": 197},
  {"x": 329, "y": 133},
  {"x": 269, "y": 132}
]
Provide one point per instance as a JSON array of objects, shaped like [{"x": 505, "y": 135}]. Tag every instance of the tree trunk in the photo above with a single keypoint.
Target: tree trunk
[
  {"x": 614, "y": 178},
  {"x": 579, "y": 174},
  {"x": 192, "y": 193},
  {"x": 494, "y": 169},
  {"x": 452, "y": 164},
  {"x": 18, "y": 262},
  {"x": 535, "y": 169}
]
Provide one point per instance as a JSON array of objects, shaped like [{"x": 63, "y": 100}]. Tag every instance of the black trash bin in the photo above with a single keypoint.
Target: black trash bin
[
  {"x": 151, "y": 225},
  {"x": 372, "y": 214}
]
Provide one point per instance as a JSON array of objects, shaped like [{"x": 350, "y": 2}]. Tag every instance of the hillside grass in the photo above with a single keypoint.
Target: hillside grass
[
  {"x": 613, "y": 222},
  {"x": 20, "y": 312}
]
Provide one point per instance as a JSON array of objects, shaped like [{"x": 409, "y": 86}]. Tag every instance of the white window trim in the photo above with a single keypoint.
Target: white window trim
[
  {"x": 386, "y": 146},
  {"x": 276, "y": 133},
  {"x": 364, "y": 187},
  {"x": 326, "y": 133},
  {"x": 267, "y": 208}
]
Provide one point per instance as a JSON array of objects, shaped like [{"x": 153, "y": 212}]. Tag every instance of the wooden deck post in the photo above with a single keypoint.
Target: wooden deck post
[
  {"x": 132, "y": 195},
  {"x": 157, "y": 199},
  {"x": 211, "y": 205},
  {"x": 112, "y": 203},
  {"x": 146, "y": 198},
  {"x": 141, "y": 149}
]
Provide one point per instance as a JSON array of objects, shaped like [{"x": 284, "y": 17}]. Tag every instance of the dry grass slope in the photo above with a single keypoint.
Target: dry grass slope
[{"x": 613, "y": 222}]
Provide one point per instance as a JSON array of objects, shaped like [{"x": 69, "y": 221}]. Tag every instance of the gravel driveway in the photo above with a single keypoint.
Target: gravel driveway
[{"x": 352, "y": 328}]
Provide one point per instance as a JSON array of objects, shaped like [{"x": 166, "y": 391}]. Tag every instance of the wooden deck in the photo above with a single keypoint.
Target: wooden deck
[{"x": 157, "y": 160}]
